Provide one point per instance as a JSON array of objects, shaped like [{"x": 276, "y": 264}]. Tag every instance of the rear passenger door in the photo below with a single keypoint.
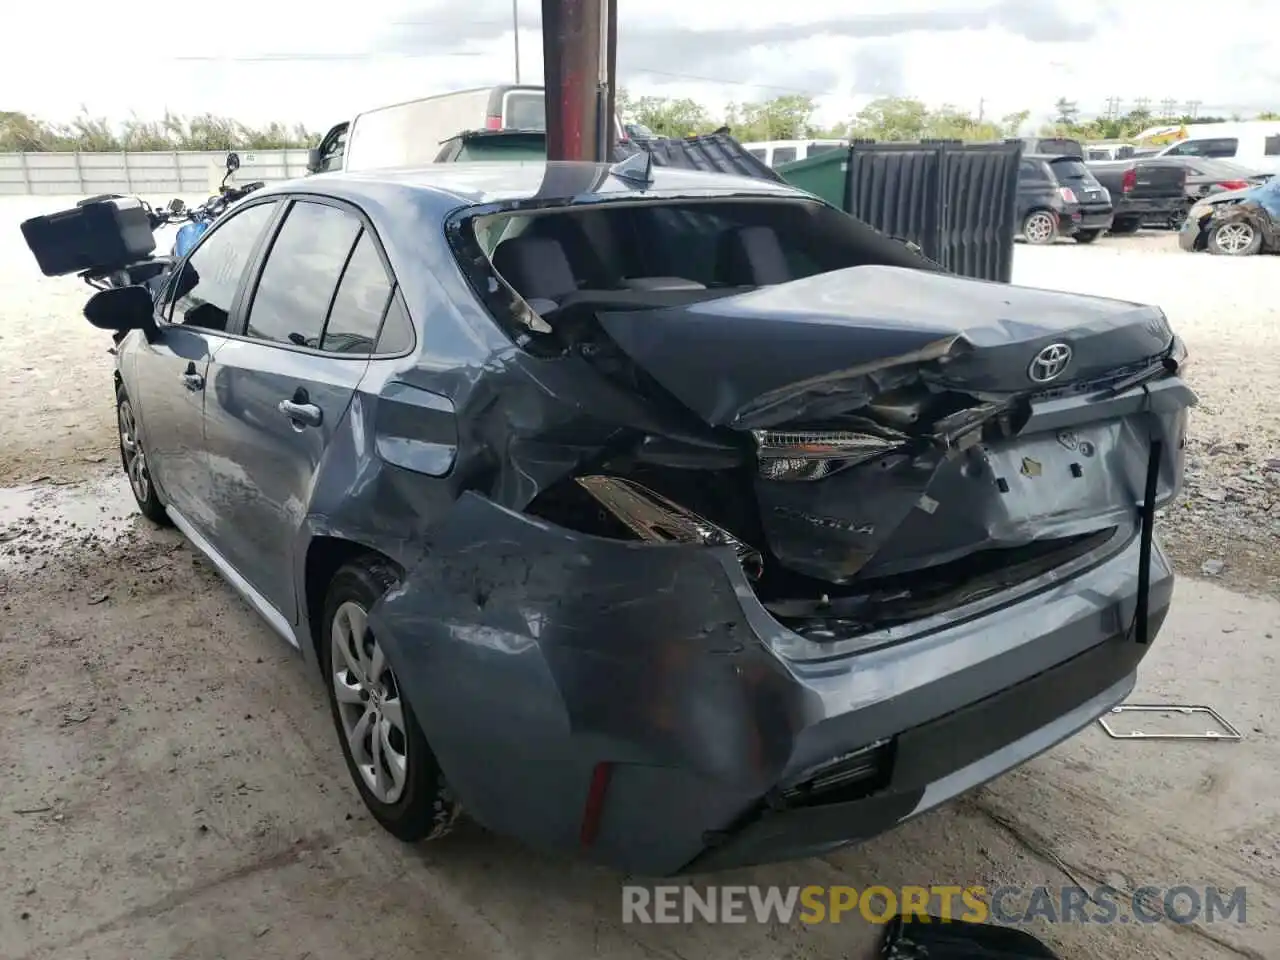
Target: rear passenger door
[{"x": 280, "y": 390}]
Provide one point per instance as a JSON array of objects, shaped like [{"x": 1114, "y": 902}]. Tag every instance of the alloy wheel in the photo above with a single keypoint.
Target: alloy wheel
[
  {"x": 135, "y": 461},
  {"x": 1039, "y": 227},
  {"x": 369, "y": 704},
  {"x": 1235, "y": 238}
]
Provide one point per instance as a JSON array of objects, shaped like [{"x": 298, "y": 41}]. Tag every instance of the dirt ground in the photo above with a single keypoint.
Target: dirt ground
[{"x": 172, "y": 785}]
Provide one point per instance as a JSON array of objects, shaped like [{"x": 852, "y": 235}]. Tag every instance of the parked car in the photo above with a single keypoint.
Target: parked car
[
  {"x": 1144, "y": 191},
  {"x": 1235, "y": 223},
  {"x": 678, "y": 520},
  {"x": 477, "y": 145},
  {"x": 1108, "y": 151},
  {"x": 775, "y": 153},
  {"x": 1052, "y": 146},
  {"x": 1059, "y": 197},
  {"x": 1206, "y": 176}
]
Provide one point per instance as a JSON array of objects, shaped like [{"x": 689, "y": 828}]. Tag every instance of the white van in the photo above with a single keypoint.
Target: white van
[
  {"x": 1253, "y": 143},
  {"x": 412, "y": 133},
  {"x": 774, "y": 153}
]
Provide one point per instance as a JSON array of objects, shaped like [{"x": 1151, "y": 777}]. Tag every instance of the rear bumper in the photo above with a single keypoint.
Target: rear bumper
[
  {"x": 1151, "y": 208},
  {"x": 1084, "y": 217},
  {"x": 639, "y": 714}
]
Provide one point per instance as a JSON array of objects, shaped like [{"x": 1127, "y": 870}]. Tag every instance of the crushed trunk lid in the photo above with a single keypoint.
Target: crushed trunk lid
[{"x": 830, "y": 343}]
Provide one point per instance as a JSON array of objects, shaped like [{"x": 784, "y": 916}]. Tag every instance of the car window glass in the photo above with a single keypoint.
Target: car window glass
[
  {"x": 333, "y": 153},
  {"x": 758, "y": 152},
  {"x": 1030, "y": 170},
  {"x": 1222, "y": 147},
  {"x": 1272, "y": 146},
  {"x": 817, "y": 148},
  {"x": 397, "y": 331},
  {"x": 784, "y": 155},
  {"x": 205, "y": 288},
  {"x": 361, "y": 300},
  {"x": 301, "y": 273},
  {"x": 525, "y": 111}
]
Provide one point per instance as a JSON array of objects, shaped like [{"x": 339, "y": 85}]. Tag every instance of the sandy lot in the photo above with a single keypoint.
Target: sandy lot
[{"x": 172, "y": 785}]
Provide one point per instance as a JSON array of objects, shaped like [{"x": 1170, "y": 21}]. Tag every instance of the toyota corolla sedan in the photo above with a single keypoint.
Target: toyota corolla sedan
[{"x": 674, "y": 519}]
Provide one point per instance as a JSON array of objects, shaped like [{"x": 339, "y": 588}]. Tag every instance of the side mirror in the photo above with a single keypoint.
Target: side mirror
[
  {"x": 233, "y": 162},
  {"x": 121, "y": 309},
  {"x": 176, "y": 205},
  {"x": 315, "y": 160}
]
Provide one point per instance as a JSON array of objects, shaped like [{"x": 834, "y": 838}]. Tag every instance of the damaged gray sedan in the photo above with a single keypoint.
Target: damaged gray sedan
[{"x": 673, "y": 519}]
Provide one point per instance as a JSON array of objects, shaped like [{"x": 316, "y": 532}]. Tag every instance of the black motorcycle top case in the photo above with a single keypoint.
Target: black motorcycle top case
[{"x": 101, "y": 235}]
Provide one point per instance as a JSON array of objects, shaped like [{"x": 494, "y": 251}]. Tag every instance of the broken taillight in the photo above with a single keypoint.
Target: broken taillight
[
  {"x": 814, "y": 454},
  {"x": 493, "y": 123},
  {"x": 1234, "y": 184},
  {"x": 1068, "y": 195},
  {"x": 1129, "y": 180}
]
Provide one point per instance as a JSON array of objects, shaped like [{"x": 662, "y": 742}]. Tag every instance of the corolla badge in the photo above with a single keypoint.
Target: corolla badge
[{"x": 1049, "y": 363}]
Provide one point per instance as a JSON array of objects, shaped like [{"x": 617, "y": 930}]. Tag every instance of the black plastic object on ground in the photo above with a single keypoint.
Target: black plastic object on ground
[
  {"x": 937, "y": 939},
  {"x": 957, "y": 201}
]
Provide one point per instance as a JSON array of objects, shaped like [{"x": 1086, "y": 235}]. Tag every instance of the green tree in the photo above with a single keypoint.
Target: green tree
[{"x": 672, "y": 118}]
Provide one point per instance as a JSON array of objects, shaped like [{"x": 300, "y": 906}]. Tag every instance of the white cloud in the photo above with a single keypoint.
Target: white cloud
[{"x": 1006, "y": 55}]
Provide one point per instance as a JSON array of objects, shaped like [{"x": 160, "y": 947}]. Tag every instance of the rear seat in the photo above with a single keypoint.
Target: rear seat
[
  {"x": 539, "y": 270},
  {"x": 752, "y": 256}
]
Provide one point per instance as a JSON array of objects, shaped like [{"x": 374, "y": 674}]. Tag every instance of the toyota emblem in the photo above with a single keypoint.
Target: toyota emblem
[{"x": 1049, "y": 363}]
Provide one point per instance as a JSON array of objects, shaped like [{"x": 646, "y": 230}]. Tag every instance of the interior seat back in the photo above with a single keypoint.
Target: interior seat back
[
  {"x": 536, "y": 267},
  {"x": 752, "y": 256}
]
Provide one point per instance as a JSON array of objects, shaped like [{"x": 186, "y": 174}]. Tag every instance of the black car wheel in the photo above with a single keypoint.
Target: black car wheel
[
  {"x": 1087, "y": 236},
  {"x": 1040, "y": 227},
  {"x": 1238, "y": 238},
  {"x": 134, "y": 460},
  {"x": 387, "y": 754}
]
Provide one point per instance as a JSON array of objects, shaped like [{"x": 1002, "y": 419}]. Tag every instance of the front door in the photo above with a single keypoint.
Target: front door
[
  {"x": 280, "y": 393},
  {"x": 169, "y": 368}
]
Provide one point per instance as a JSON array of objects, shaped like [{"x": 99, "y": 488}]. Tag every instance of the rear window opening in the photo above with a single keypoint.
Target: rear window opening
[{"x": 565, "y": 264}]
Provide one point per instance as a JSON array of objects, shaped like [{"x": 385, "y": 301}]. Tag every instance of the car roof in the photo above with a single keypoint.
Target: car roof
[{"x": 448, "y": 186}]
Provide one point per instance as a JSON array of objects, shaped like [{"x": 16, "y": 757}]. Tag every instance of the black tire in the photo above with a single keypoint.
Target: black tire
[
  {"x": 1040, "y": 227},
  {"x": 425, "y": 809},
  {"x": 1235, "y": 238},
  {"x": 133, "y": 458},
  {"x": 1125, "y": 226},
  {"x": 1086, "y": 236}
]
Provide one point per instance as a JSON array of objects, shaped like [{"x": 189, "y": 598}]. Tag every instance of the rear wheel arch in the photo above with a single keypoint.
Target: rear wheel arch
[{"x": 326, "y": 555}]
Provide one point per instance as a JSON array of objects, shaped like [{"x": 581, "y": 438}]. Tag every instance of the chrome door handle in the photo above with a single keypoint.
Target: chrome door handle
[{"x": 307, "y": 414}]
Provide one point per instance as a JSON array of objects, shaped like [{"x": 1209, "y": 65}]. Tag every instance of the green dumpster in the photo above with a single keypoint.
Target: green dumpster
[{"x": 824, "y": 175}]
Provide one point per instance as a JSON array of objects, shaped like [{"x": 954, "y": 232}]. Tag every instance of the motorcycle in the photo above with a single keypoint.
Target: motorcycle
[
  {"x": 202, "y": 217},
  {"x": 108, "y": 240}
]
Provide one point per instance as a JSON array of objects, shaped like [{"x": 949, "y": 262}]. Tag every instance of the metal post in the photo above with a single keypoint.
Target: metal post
[
  {"x": 579, "y": 38},
  {"x": 515, "y": 33},
  {"x": 26, "y": 171}
]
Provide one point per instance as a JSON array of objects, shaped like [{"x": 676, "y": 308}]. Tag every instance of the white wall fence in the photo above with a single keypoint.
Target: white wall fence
[{"x": 155, "y": 176}]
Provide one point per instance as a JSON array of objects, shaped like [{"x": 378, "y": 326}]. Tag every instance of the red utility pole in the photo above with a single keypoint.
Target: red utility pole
[{"x": 579, "y": 55}]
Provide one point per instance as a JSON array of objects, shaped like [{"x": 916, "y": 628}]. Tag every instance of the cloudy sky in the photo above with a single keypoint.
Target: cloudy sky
[{"x": 318, "y": 63}]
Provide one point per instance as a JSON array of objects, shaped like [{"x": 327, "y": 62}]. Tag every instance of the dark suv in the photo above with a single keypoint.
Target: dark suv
[{"x": 1059, "y": 197}]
